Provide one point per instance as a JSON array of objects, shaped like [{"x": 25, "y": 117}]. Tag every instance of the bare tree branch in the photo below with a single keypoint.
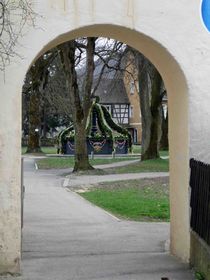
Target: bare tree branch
[{"x": 14, "y": 15}]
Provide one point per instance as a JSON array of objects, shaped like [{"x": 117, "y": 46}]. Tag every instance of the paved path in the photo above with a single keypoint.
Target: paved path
[
  {"x": 84, "y": 180},
  {"x": 88, "y": 180},
  {"x": 67, "y": 238}
]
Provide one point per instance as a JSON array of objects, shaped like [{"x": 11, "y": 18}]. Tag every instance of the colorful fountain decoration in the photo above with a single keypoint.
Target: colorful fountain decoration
[{"x": 104, "y": 136}]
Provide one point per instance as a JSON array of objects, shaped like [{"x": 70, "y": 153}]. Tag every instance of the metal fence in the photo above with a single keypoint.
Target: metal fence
[{"x": 200, "y": 199}]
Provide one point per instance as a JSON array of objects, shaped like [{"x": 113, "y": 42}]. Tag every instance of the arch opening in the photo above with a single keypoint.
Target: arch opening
[{"x": 176, "y": 86}]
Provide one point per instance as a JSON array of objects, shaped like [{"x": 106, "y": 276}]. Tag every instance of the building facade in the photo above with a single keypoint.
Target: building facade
[{"x": 118, "y": 91}]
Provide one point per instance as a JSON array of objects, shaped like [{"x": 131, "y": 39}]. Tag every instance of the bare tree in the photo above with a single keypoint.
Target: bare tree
[
  {"x": 151, "y": 92},
  {"x": 164, "y": 145},
  {"x": 72, "y": 83},
  {"x": 34, "y": 87},
  {"x": 56, "y": 95},
  {"x": 14, "y": 14},
  {"x": 80, "y": 108},
  {"x": 55, "y": 103},
  {"x": 81, "y": 91}
]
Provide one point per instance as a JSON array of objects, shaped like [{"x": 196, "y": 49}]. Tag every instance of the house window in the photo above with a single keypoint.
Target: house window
[
  {"x": 135, "y": 136},
  {"x": 132, "y": 87},
  {"x": 131, "y": 111},
  {"x": 165, "y": 110},
  {"x": 120, "y": 113}
]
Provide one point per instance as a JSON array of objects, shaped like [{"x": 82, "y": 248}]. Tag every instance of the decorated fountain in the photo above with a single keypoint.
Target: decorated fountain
[{"x": 104, "y": 136}]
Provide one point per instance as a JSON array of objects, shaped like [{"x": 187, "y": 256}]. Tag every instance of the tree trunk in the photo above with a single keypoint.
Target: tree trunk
[
  {"x": 80, "y": 107},
  {"x": 81, "y": 154},
  {"x": 34, "y": 124},
  {"x": 152, "y": 151},
  {"x": 146, "y": 117},
  {"x": 164, "y": 137},
  {"x": 44, "y": 123},
  {"x": 150, "y": 83},
  {"x": 38, "y": 77}
]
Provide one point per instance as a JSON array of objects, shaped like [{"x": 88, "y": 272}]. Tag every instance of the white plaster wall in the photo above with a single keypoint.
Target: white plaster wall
[
  {"x": 172, "y": 36},
  {"x": 176, "y": 25}
]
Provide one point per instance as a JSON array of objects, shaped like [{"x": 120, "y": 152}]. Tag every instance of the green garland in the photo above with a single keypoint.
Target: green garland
[
  {"x": 62, "y": 136},
  {"x": 115, "y": 126},
  {"x": 105, "y": 124}
]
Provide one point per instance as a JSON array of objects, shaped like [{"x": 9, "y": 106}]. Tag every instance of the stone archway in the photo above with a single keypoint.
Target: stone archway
[{"x": 176, "y": 84}]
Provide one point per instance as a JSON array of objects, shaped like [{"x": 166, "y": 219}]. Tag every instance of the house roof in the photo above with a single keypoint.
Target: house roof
[
  {"x": 112, "y": 91},
  {"x": 111, "y": 88}
]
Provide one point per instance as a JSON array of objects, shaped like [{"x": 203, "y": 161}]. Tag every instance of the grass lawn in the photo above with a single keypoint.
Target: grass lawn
[
  {"x": 137, "y": 150},
  {"x": 138, "y": 200},
  {"x": 67, "y": 162},
  {"x": 157, "y": 165},
  {"x": 45, "y": 150},
  {"x": 153, "y": 165},
  {"x": 49, "y": 150},
  {"x": 23, "y": 150},
  {"x": 164, "y": 153}
]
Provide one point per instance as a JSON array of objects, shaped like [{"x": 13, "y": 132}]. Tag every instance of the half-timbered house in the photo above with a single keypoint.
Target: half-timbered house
[{"x": 119, "y": 93}]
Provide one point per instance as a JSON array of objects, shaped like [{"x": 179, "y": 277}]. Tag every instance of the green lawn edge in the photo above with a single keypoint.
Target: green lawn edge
[{"x": 125, "y": 199}]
